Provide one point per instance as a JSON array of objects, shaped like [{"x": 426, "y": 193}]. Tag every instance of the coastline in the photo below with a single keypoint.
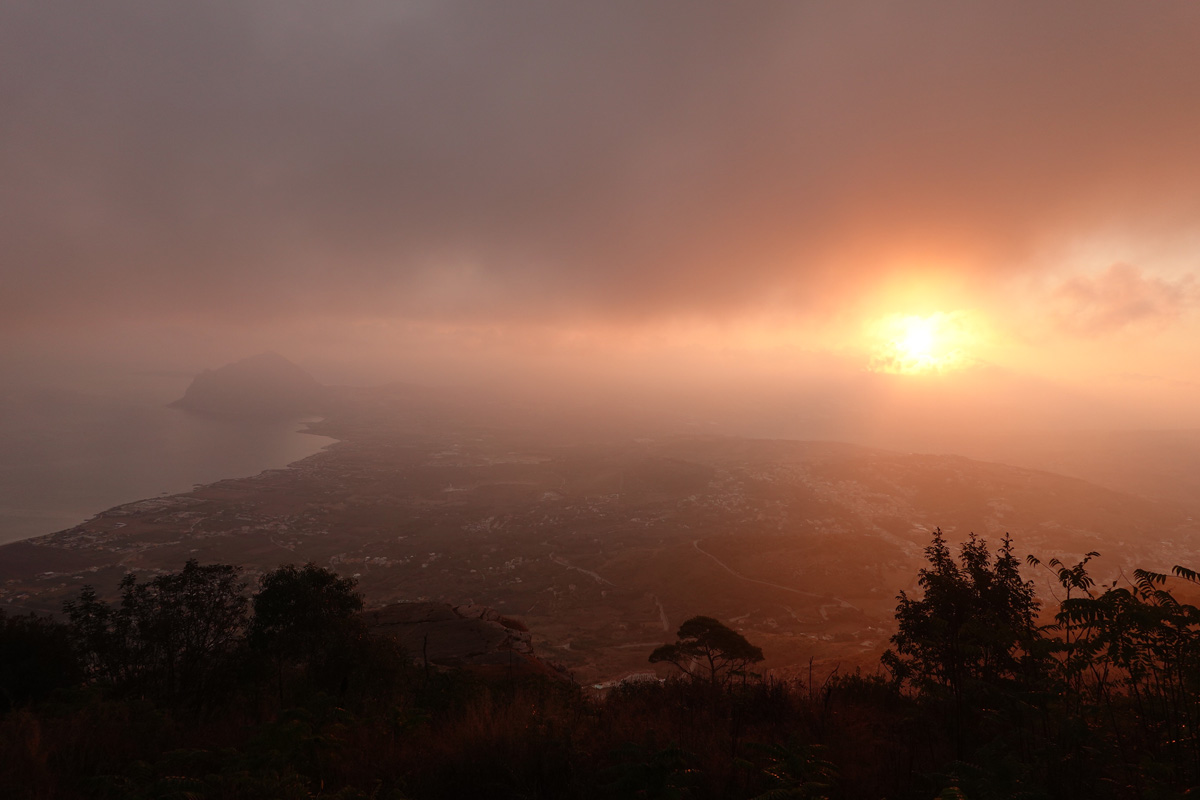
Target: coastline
[
  {"x": 594, "y": 546},
  {"x": 65, "y": 489}
]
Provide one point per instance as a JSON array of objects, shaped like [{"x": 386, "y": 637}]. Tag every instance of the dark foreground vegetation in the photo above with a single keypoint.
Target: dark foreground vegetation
[{"x": 189, "y": 688}]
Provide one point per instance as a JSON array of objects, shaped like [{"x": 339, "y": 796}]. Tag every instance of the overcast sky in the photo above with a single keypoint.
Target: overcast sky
[{"x": 431, "y": 185}]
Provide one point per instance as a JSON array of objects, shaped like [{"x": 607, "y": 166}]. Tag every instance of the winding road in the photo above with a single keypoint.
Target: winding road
[{"x": 839, "y": 604}]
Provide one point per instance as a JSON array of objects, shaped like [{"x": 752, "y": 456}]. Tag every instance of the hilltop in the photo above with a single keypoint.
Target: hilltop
[{"x": 262, "y": 386}]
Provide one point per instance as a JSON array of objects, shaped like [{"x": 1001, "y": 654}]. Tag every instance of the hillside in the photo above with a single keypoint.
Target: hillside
[{"x": 262, "y": 386}]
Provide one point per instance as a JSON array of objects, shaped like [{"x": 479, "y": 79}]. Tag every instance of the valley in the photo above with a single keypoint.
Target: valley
[{"x": 602, "y": 549}]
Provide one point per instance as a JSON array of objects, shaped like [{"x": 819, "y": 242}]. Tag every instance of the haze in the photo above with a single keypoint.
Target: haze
[
  {"x": 601, "y": 316},
  {"x": 896, "y": 223}
]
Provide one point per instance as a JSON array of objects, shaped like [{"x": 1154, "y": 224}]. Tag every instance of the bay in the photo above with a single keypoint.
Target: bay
[{"x": 66, "y": 456}]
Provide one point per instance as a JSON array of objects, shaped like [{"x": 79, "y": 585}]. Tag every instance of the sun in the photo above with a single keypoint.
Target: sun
[
  {"x": 917, "y": 340},
  {"x": 908, "y": 344}
]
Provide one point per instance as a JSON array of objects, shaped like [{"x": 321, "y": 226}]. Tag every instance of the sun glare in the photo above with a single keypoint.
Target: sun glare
[{"x": 907, "y": 344}]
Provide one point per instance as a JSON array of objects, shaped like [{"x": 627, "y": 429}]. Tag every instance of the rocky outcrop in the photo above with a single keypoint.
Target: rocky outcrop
[{"x": 468, "y": 636}]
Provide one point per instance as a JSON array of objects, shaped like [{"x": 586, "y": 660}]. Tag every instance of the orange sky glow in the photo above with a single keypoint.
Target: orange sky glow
[{"x": 861, "y": 210}]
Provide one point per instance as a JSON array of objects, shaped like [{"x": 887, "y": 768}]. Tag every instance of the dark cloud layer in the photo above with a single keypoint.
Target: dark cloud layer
[{"x": 496, "y": 161}]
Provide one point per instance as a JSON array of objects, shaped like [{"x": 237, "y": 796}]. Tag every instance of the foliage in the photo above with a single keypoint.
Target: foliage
[
  {"x": 308, "y": 617},
  {"x": 709, "y": 650},
  {"x": 299, "y": 611},
  {"x": 796, "y": 770},
  {"x": 1134, "y": 652},
  {"x": 1100, "y": 701},
  {"x": 653, "y": 773},
  {"x": 169, "y": 637},
  {"x": 972, "y": 628},
  {"x": 36, "y": 657}
]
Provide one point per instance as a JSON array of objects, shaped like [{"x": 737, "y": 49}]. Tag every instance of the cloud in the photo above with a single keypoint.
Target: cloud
[
  {"x": 1120, "y": 297},
  {"x": 222, "y": 161}
]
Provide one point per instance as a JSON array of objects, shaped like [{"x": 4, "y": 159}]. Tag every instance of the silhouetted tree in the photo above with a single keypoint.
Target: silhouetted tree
[
  {"x": 168, "y": 636},
  {"x": 307, "y": 616},
  {"x": 973, "y": 623},
  {"x": 1133, "y": 651},
  {"x": 971, "y": 640},
  {"x": 708, "y": 649}
]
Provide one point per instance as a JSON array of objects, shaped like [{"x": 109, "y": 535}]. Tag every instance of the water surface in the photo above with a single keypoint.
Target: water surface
[{"x": 65, "y": 456}]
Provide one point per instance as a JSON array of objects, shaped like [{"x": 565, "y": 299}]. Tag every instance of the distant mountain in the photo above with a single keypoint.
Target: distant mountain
[
  {"x": 1158, "y": 464},
  {"x": 262, "y": 386}
]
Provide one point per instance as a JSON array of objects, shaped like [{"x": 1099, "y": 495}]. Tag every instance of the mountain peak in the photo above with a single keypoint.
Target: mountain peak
[{"x": 266, "y": 385}]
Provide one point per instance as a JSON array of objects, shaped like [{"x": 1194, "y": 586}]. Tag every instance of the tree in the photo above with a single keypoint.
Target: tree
[
  {"x": 168, "y": 636},
  {"x": 973, "y": 624},
  {"x": 307, "y": 616},
  {"x": 708, "y": 649},
  {"x": 971, "y": 639}
]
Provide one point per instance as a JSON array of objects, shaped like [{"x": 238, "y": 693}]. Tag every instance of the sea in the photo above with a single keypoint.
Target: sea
[{"x": 67, "y": 455}]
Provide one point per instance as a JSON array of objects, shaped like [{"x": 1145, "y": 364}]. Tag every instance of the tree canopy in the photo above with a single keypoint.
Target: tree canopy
[
  {"x": 299, "y": 610},
  {"x": 168, "y": 635},
  {"x": 706, "y": 648},
  {"x": 972, "y": 625}
]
